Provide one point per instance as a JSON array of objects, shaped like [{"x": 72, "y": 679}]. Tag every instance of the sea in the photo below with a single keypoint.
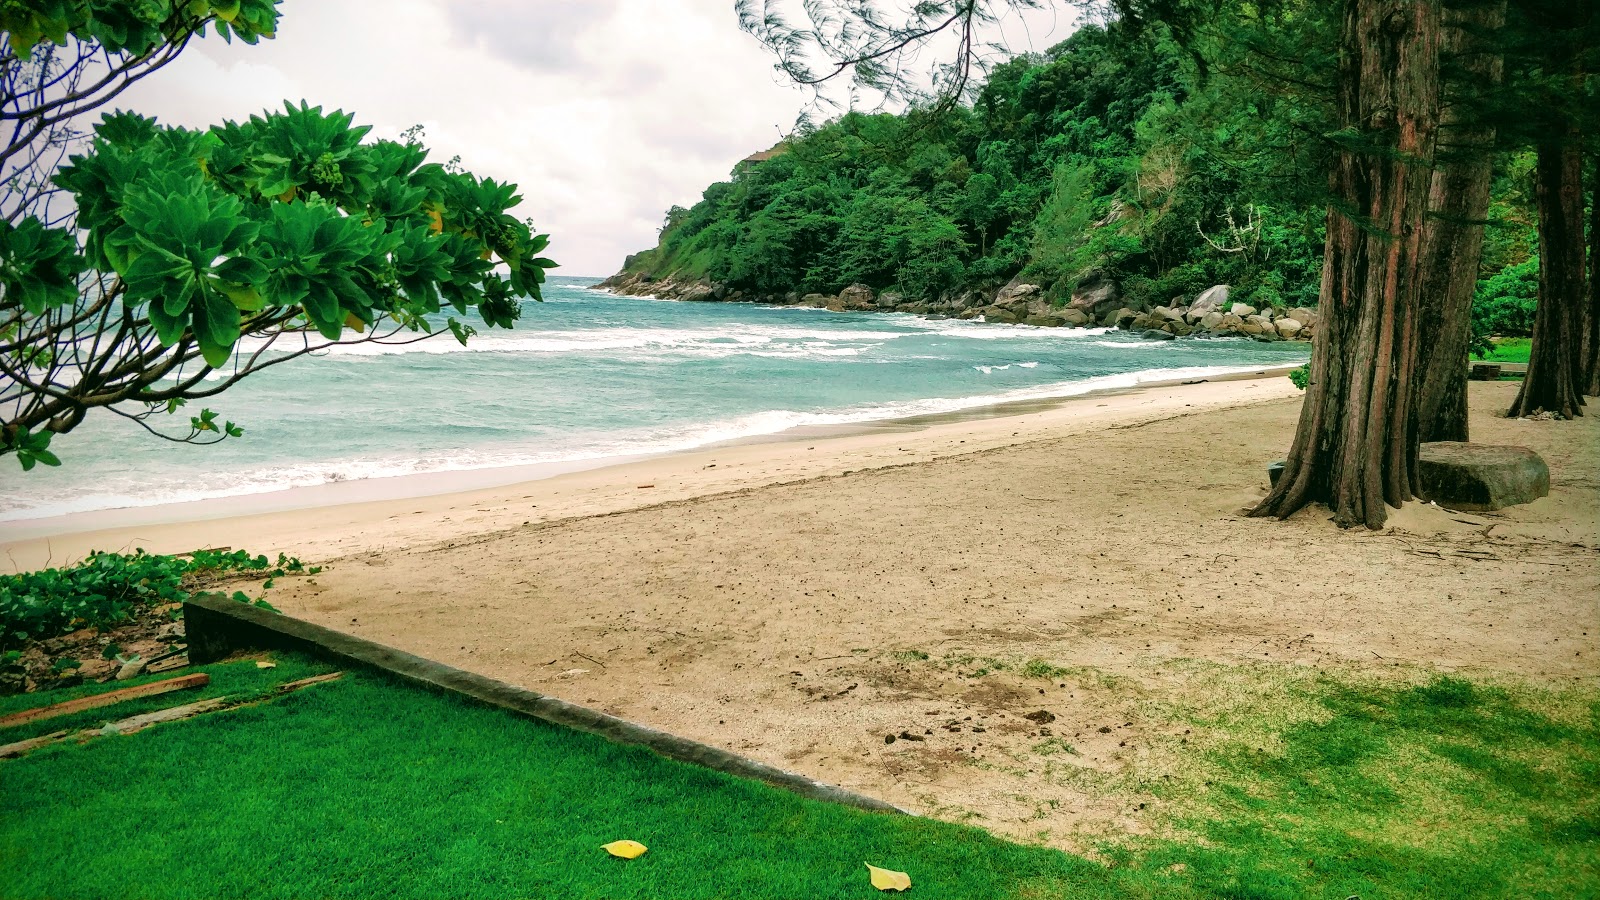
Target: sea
[{"x": 588, "y": 378}]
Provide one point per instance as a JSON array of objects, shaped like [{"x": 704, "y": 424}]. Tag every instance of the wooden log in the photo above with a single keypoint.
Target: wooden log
[
  {"x": 154, "y": 688},
  {"x": 170, "y": 714}
]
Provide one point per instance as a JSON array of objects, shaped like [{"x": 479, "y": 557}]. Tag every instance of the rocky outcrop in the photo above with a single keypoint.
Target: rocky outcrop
[{"x": 1097, "y": 302}]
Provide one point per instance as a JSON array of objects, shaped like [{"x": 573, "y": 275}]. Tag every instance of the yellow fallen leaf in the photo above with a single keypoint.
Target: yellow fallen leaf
[
  {"x": 263, "y": 664},
  {"x": 887, "y": 879},
  {"x": 625, "y": 849}
]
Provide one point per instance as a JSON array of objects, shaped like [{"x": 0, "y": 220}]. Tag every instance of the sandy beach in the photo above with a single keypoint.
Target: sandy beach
[{"x": 930, "y": 614}]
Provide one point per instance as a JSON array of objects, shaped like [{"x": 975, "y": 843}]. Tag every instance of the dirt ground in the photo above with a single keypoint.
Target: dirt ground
[{"x": 1005, "y": 636}]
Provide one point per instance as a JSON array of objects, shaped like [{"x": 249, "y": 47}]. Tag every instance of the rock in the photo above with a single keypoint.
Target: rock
[
  {"x": 813, "y": 300},
  {"x": 1263, "y": 322},
  {"x": 1118, "y": 317},
  {"x": 1249, "y": 328},
  {"x": 857, "y": 296},
  {"x": 1242, "y": 309},
  {"x": 996, "y": 314},
  {"x": 1046, "y": 321},
  {"x": 1211, "y": 320},
  {"x": 699, "y": 294},
  {"x": 1211, "y": 300},
  {"x": 1076, "y": 318},
  {"x": 1180, "y": 329},
  {"x": 1096, "y": 295},
  {"x": 890, "y": 300},
  {"x": 834, "y": 304},
  {"x": 1480, "y": 477},
  {"x": 969, "y": 314},
  {"x": 1267, "y": 335},
  {"x": 1168, "y": 313},
  {"x": 1016, "y": 290},
  {"x": 134, "y": 666},
  {"x": 1041, "y": 717},
  {"x": 1229, "y": 320},
  {"x": 1018, "y": 308},
  {"x": 1287, "y": 327},
  {"x": 1154, "y": 335},
  {"x": 1146, "y": 322},
  {"x": 1305, "y": 316}
]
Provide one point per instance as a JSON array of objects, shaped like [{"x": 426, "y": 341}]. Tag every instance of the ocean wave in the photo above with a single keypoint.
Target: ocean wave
[{"x": 595, "y": 449}]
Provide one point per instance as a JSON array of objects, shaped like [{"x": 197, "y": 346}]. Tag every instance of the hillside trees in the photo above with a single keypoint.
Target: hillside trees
[{"x": 144, "y": 266}]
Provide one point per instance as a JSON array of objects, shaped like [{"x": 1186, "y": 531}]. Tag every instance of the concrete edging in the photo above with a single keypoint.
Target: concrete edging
[{"x": 217, "y": 627}]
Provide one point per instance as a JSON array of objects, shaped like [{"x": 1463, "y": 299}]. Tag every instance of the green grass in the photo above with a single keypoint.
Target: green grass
[
  {"x": 1511, "y": 350},
  {"x": 364, "y": 787}
]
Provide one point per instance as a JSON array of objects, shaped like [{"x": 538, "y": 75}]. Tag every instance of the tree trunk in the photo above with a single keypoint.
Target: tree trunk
[
  {"x": 1356, "y": 445},
  {"x": 1452, "y": 238},
  {"x": 1554, "y": 383},
  {"x": 1591, "y": 366}
]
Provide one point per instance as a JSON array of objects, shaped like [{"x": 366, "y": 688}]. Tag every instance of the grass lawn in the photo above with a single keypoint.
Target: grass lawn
[
  {"x": 1511, "y": 350},
  {"x": 367, "y": 788}
]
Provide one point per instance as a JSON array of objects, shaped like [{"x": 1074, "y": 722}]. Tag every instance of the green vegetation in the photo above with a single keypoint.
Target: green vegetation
[
  {"x": 1108, "y": 157},
  {"x": 108, "y": 589},
  {"x": 1512, "y": 350},
  {"x": 1446, "y": 788},
  {"x": 179, "y": 241}
]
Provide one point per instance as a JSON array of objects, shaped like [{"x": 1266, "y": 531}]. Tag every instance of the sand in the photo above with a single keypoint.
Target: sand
[{"x": 801, "y": 602}]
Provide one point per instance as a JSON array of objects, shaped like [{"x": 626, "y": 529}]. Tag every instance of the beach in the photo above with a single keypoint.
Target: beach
[{"x": 927, "y": 613}]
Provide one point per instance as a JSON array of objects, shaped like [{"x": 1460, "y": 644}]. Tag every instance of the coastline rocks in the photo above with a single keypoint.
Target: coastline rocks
[
  {"x": 1097, "y": 301},
  {"x": 1211, "y": 300},
  {"x": 1480, "y": 477},
  {"x": 1095, "y": 296},
  {"x": 858, "y": 296},
  {"x": 1157, "y": 335}
]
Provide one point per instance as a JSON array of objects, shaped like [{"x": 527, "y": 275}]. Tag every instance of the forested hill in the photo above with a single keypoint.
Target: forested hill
[{"x": 1115, "y": 163}]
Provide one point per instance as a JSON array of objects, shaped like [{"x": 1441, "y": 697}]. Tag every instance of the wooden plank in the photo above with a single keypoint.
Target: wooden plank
[
  {"x": 12, "y": 751},
  {"x": 170, "y": 714},
  {"x": 199, "y": 679}
]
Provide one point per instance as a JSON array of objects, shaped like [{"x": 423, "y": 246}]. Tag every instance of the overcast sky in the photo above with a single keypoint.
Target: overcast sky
[{"x": 605, "y": 112}]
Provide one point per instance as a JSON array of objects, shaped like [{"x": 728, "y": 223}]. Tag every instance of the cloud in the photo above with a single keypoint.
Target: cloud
[{"x": 604, "y": 112}]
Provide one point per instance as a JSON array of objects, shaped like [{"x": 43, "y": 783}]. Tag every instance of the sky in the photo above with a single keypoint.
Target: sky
[{"x": 605, "y": 112}]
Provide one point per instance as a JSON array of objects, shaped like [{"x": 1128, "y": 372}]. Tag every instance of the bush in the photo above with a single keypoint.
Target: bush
[
  {"x": 108, "y": 589},
  {"x": 1504, "y": 304}
]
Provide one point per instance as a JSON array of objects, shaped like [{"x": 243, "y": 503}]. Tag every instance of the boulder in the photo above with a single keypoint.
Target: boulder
[
  {"x": 1480, "y": 477},
  {"x": 1211, "y": 320},
  {"x": 1146, "y": 322},
  {"x": 1262, "y": 322},
  {"x": 1046, "y": 321},
  {"x": 858, "y": 296},
  {"x": 1267, "y": 335},
  {"x": 1155, "y": 335},
  {"x": 1287, "y": 327},
  {"x": 1212, "y": 299},
  {"x": 1229, "y": 320},
  {"x": 1096, "y": 295},
  {"x": 1242, "y": 309},
  {"x": 814, "y": 300},
  {"x": 835, "y": 304},
  {"x": 1117, "y": 317},
  {"x": 969, "y": 314},
  {"x": 890, "y": 300},
  {"x": 700, "y": 293},
  {"x": 1180, "y": 329},
  {"x": 1168, "y": 313},
  {"x": 1077, "y": 318},
  {"x": 996, "y": 314},
  {"x": 1306, "y": 316},
  {"x": 1018, "y": 308},
  {"x": 1016, "y": 290}
]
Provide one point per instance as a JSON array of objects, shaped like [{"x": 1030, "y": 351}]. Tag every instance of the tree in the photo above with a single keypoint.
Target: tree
[
  {"x": 1458, "y": 206},
  {"x": 1591, "y": 364},
  {"x": 162, "y": 265},
  {"x": 1356, "y": 444}
]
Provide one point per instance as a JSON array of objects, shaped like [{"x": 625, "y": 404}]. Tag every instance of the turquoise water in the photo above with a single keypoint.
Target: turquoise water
[{"x": 590, "y": 376}]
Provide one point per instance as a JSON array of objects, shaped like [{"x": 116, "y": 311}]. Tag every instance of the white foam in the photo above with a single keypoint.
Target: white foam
[{"x": 654, "y": 441}]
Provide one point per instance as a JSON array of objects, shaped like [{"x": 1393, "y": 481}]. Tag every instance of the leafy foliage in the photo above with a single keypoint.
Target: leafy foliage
[
  {"x": 107, "y": 589},
  {"x": 1109, "y": 154},
  {"x": 290, "y": 227}
]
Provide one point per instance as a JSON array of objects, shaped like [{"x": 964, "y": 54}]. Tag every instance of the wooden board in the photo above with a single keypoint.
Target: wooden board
[{"x": 199, "y": 679}]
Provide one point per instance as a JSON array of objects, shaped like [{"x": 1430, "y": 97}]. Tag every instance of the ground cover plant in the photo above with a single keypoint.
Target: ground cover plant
[{"x": 366, "y": 787}]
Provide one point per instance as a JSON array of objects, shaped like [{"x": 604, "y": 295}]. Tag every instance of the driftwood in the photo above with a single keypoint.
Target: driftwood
[{"x": 98, "y": 700}]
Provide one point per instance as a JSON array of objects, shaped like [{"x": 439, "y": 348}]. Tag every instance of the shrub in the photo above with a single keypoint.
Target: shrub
[{"x": 107, "y": 589}]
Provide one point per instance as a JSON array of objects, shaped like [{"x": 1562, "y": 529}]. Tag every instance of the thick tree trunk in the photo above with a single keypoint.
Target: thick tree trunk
[
  {"x": 1591, "y": 365},
  {"x": 1554, "y": 383},
  {"x": 1452, "y": 238},
  {"x": 1356, "y": 446}
]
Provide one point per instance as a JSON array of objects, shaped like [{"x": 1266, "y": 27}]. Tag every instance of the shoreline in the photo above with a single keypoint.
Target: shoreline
[{"x": 274, "y": 521}]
